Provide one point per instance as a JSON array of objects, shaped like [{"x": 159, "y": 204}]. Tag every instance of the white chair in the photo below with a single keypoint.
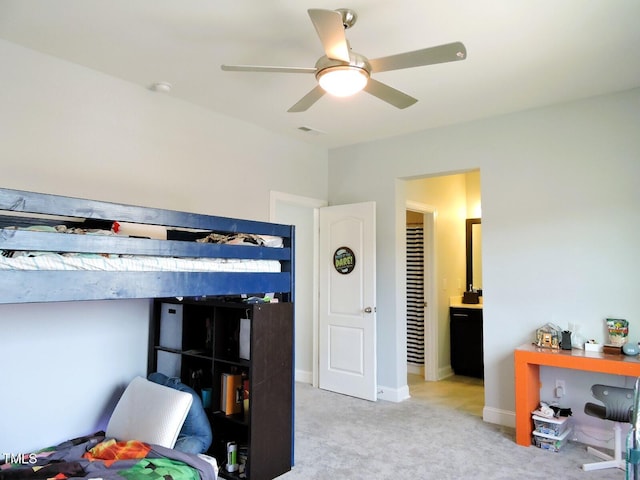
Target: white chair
[
  {"x": 618, "y": 406},
  {"x": 150, "y": 413}
]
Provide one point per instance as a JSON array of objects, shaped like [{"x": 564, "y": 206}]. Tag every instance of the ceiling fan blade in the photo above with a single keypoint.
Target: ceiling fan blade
[
  {"x": 449, "y": 52},
  {"x": 309, "y": 99},
  {"x": 389, "y": 94},
  {"x": 258, "y": 68},
  {"x": 330, "y": 29}
]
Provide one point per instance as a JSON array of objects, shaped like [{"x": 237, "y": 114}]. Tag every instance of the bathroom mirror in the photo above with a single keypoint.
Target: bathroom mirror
[{"x": 474, "y": 253}]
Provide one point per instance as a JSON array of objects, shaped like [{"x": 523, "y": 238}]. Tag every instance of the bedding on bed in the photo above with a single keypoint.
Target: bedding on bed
[
  {"x": 54, "y": 261},
  {"x": 220, "y": 238},
  {"x": 95, "y": 456},
  {"x": 41, "y": 260}
]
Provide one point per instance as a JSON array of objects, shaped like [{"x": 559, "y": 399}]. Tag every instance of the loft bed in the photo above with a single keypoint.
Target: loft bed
[
  {"x": 55, "y": 248},
  {"x": 77, "y": 233}
]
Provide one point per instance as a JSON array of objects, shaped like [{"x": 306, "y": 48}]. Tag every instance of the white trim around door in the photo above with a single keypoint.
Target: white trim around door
[
  {"x": 430, "y": 297},
  {"x": 303, "y": 212}
]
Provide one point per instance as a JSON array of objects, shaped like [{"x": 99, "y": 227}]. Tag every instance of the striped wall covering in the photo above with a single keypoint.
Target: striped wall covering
[{"x": 415, "y": 295}]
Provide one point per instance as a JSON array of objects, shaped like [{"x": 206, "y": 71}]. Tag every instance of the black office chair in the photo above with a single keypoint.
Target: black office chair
[{"x": 618, "y": 407}]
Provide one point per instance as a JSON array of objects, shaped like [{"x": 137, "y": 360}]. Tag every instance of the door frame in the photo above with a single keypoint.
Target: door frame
[
  {"x": 430, "y": 295},
  {"x": 313, "y": 204}
]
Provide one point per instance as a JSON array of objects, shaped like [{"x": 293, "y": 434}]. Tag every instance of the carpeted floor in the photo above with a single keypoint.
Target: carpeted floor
[{"x": 339, "y": 437}]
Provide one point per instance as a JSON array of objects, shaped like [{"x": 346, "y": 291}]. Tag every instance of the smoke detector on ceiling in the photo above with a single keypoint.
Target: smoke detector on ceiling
[{"x": 162, "y": 87}]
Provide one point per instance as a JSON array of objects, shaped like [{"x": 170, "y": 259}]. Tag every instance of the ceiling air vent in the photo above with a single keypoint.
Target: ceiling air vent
[{"x": 310, "y": 131}]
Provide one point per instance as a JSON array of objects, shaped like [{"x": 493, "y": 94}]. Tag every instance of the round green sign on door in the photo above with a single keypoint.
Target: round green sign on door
[{"x": 344, "y": 260}]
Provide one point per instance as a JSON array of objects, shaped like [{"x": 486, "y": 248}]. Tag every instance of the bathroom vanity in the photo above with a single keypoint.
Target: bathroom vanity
[{"x": 466, "y": 338}]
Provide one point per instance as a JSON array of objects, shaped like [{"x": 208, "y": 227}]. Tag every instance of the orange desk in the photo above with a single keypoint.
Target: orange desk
[{"x": 528, "y": 359}]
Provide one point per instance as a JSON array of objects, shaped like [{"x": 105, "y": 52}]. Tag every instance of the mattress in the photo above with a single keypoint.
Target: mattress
[{"x": 51, "y": 261}]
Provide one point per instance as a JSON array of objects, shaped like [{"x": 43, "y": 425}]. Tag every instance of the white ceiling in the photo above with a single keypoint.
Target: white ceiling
[{"x": 521, "y": 54}]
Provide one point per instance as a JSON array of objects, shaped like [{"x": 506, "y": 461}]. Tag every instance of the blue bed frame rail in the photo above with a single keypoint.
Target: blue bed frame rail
[{"x": 50, "y": 286}]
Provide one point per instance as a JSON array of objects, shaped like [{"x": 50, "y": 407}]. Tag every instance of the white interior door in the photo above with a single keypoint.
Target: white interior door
[{"x": 347, "y": 323}]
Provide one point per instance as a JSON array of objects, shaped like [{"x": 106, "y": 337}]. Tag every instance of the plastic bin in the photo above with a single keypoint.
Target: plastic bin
[
  {"x": 550, "y": 426},
  {"x": 552, "y": 443}
]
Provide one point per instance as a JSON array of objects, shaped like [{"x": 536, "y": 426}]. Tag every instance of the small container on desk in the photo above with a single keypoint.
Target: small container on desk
[{"x": 593, "y": 347}]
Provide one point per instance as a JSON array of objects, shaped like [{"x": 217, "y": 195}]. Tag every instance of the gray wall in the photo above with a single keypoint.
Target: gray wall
[
  {"x": 560, "y": 223},
  {"x": 69, "y": 130}
]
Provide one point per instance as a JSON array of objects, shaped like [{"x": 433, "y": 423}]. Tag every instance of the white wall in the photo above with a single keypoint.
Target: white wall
[
  {"x": 560, "y": 223},
  {"x": 64, "y": 366},
  {"x": 69, "y": 130}
]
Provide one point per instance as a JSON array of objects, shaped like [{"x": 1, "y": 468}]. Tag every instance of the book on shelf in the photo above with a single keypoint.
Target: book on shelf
[
  {"x": 245, "y": 395},
  {"x": 245, "y": 338},
  {"x": 231, "y": 393}
]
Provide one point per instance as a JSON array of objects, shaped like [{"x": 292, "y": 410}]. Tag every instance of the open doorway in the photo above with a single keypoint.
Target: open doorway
[{"x": 451, "y": 199}]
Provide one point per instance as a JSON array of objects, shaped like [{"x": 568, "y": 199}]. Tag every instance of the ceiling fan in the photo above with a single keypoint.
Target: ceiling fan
[{"x": 340, "y": 65}]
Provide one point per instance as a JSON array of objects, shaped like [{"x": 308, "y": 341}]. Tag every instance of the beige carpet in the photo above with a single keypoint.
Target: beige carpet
[{"x": 339, "y": 437}]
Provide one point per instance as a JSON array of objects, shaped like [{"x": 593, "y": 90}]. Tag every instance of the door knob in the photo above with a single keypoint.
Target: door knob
[{"x": 368, "y": 310}]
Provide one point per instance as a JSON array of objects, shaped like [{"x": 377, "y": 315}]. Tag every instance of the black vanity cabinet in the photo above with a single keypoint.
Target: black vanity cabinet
[{"x": 466, "y": 341}]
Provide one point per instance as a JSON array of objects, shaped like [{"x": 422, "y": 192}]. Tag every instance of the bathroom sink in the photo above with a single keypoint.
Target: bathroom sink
[{"x": 457, "y": 303}]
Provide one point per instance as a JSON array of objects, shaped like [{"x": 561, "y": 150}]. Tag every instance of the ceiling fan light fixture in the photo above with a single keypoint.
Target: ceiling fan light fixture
[
  {"x": 343, "y": 80},
  {"x": 342, "y": 72}
]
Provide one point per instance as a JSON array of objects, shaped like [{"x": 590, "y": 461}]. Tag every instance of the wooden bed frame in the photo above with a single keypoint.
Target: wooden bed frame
[{"x": 21, "y": 208}]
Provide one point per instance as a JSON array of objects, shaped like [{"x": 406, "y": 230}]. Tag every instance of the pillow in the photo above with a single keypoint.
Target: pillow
[
  {"x": 195, "y": 435},
  {"x": 150, "y": 413}
]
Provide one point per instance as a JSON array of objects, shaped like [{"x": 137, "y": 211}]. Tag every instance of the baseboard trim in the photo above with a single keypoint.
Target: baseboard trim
[
  {"x": 303, "y": 376},
  {"x": 598, "y": 437},
  {"x": 445, "y": 372},
  {"x": 505, "y": 418},
  {"x": 393, "y": 394}
]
